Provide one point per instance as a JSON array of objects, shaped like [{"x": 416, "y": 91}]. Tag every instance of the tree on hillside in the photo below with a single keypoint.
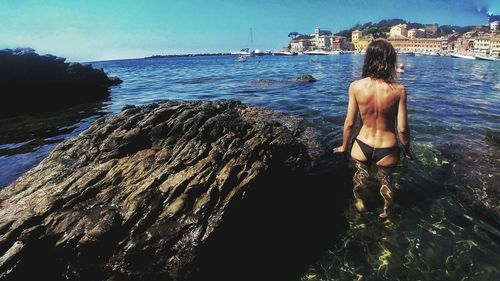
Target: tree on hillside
[
  {"x": 391, "y": 22},
  {"x": 303, "y": 36},
  {"x": 417, "y": 25},
  {"x": 293, "y": 34}
]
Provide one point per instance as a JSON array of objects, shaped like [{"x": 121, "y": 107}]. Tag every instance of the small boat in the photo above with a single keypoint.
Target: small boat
[
  {"x": 481, "y": 57},
  {"x": 455, "y": 55},
  {"x": 241, "y": 58},
  {"x": 316, "y": 53},
  {"x": 284, "y": 53},
  {"x": 258, "y": 52},
  {"x": 412, "y": 54},
  {"x": 242, "y": 52}
]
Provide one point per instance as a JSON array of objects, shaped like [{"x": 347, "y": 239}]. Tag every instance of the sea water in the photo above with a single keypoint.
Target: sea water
[{"x": 451, "y": 105}]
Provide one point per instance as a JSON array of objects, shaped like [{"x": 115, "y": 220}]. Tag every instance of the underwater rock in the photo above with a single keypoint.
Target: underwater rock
[
  {"x": 493, "y": 135},
  {"x": 171, "y": 191},
  {"x": 34, "y": 83},
  {"x": 306, "y": 78}
]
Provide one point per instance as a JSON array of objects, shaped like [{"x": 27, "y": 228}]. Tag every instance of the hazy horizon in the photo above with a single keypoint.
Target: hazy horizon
[{"x": 93, "y": 31}]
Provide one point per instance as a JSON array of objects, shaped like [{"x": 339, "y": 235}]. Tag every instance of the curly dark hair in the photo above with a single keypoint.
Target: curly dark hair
[{"x": 380, "y": 61}]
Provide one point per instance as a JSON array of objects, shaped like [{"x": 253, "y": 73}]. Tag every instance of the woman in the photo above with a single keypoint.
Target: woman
[{"x": 379, "y": 100}]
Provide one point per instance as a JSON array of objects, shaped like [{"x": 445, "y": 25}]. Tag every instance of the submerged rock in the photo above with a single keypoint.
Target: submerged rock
[
  {"x": 493, "y": 135},
  {"x": 34, "y": 84},
  {"x": 171, "y": 191},
  {"x": 306, "y": 78}
]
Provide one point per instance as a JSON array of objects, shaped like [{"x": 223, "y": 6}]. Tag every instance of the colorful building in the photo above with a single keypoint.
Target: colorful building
[
  {"x": 495, "y": 25},
  {"x": 416, "y": 33},
  {"x": 404, "y": 44},
  {"x": 482, "y": 45},
  {"x": 399, "y": 30},
  {"x": 300, "y": 45},
  {"x": 360, "y": 43},
  {"x": 495, "y": 46},
  {"x": 320, "y": 40}
]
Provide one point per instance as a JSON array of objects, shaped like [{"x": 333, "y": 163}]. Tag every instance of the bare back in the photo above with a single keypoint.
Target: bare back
[{"x": 378, "y": 103}]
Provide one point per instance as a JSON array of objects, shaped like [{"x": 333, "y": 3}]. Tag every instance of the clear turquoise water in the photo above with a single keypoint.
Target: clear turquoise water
[{"x": 451, "y": 104}]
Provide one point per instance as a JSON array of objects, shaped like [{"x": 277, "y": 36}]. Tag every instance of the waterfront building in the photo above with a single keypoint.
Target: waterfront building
[
  {"x": 360, "y": 43},
  {"x": 404, "y": 44},
  {"x": 495, "y": 26},
  {"x": 399, "y": 30},
  {"x": 464, "y": 45},
  {"x": 300, "y": 45},
  {"x": 482, "y": 45},
  {"x": 319, "y": 40},
  {"x": 356, "y": 35},
  {"x": 451, "y": 41},
  {"x": 495, "y": 46},
  {"x": 339, "y": 43},
  {"x": 412, "y": 33}
]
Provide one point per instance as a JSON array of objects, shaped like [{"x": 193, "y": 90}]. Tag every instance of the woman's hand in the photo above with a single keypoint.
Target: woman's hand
[
  {"x": 407, "y": 152},
  {"x": 339, "y": 149}
]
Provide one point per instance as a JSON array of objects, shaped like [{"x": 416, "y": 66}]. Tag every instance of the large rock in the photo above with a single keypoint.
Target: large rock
[
  {"x": 172, "y": 191},
  {"x": 31, "y": 83}
]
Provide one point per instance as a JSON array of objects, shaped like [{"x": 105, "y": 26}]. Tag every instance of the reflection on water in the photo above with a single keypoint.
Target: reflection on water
[
  {"x": 452, "y": 102},
  {"x": 430, "y": 241},
  {"x": 429, "y": 235},
  {"x": 26, "y": 140}
]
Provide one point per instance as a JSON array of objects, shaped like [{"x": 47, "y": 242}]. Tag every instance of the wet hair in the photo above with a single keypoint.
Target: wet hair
[{"x": 380, "y": 61}]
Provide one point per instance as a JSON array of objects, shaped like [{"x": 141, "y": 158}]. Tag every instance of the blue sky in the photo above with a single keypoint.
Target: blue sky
[{"x": 98, "y": 30}]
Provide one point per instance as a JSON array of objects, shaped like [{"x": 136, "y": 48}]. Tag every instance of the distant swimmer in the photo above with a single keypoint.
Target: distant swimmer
[
  {"x": 381, "y": 101},
  {"x": 400, "y": 68}
]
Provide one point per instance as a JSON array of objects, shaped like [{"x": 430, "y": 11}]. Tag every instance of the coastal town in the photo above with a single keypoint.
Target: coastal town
[{"x": 481, "y": 41}]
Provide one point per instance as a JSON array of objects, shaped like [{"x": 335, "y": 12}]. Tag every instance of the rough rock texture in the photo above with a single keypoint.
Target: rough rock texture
[
  {"x": 31, "y": 83},
  {"x": 493, "y": 135},
  {"x": 171, "y": 191},
  {"x": 474, "y": 176},
  {"x": 306, "y": 78}
]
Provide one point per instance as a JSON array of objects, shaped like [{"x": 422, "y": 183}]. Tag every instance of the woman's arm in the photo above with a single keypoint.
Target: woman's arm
[
  {"x": 403, "y": 129},
  {"x": 350, "y": 120}
]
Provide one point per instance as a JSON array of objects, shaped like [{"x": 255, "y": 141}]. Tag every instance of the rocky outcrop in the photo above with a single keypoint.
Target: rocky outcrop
[
  {"x": 172, "y": 191},
  {"x": 33, "y": 83}
]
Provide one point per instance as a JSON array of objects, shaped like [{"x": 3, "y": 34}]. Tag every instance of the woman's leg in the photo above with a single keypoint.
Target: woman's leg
[
  {"x": 384, "y": 177},
  {"x": 360, "y": 182}
]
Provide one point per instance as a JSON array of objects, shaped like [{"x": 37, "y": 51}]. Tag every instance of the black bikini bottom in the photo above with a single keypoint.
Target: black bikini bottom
[{"x": 375, "y": 154}]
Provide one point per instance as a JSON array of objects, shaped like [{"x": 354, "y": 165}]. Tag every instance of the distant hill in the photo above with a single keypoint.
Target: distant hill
[{"x": 383, "y": 27}]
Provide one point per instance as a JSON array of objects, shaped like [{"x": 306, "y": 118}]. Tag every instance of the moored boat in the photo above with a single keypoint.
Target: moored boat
[
  {"x": 483, "y": 57},
  {"x": 455, "y": 55},
  {"x": 317, "y": 53},
  {"x": 284, "y": 53},
  {"x": 242, "y": 52}
]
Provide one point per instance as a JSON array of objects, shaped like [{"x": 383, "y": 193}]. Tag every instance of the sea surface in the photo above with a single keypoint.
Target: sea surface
[{"x": 452, "y": 103}]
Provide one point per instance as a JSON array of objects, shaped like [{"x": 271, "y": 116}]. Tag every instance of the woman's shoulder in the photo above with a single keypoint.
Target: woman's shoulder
[{"x": 359, "y": 83}]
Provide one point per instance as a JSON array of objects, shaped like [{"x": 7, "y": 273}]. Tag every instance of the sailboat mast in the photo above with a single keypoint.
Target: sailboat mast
[{"x": 251, "y": 40}]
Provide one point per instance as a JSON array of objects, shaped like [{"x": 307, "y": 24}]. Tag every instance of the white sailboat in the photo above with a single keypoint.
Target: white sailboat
[{"x": 249, "y": 51}]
